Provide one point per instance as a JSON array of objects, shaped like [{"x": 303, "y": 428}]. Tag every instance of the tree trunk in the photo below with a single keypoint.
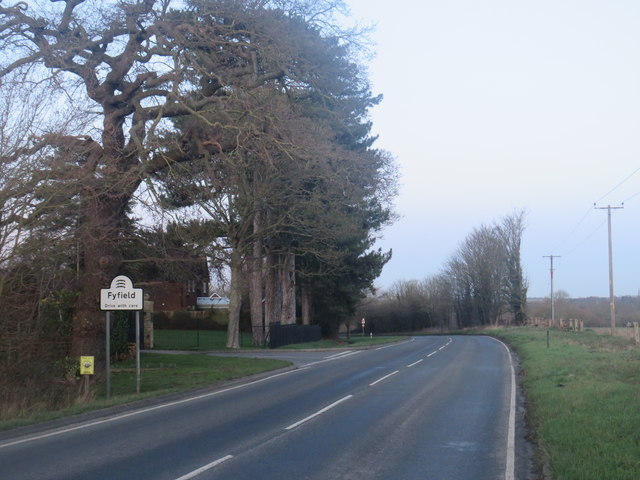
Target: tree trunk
[
  {"x": 273, "y": 292},
  {"x": 255, "y": 291},
  {"x": 287, "y": 277},
  {"x": 235, "y": 300},
  {"x": 99, "y": 233},
  {"x": 305, "y": 301}
]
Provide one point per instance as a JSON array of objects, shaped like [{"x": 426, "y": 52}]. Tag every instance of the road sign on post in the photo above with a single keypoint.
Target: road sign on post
[{"x": 122, "y": 296}]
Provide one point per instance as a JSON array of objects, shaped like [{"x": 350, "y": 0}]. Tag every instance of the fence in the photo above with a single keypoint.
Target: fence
[
  {"x": 632, "y": 330},
  {"x": 200, "y": 339},
  {"x": 280, "y": 335}
]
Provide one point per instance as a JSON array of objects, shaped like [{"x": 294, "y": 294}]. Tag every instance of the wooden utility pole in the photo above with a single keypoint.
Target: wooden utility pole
[
  {"x": 612, "y": 306},
  {"x": 553, "y": 311}
]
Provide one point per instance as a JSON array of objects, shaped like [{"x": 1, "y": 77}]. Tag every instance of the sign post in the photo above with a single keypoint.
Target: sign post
[
  {"x": 108, "y": 357},
  {"x": 363, "y": 324},
  {"x": 122, "y": 296},
  {"x": 138, "y": 351}
]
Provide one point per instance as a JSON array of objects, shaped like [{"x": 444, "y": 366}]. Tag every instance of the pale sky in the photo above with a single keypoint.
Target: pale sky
[{"x": 496, "y": 105}]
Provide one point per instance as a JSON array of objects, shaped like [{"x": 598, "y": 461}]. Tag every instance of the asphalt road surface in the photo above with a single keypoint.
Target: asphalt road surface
[{"x": 430, "y": 408}]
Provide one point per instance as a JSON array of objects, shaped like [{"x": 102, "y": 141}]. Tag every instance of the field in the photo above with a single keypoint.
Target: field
[{"x": 583, "y": 395}]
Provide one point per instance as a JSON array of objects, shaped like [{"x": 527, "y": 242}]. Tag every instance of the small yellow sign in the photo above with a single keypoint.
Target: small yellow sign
[{"x": 86, "y": 365}]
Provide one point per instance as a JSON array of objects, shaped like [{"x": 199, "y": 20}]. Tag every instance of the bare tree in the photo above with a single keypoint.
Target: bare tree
[
  {"x": 477, "y": 272},
  {"x": 36, "y": 254},
  {"x": 482, "y": 283},
  {"x": 486, "y": 274},
  {"x": 511, "y": 231}
]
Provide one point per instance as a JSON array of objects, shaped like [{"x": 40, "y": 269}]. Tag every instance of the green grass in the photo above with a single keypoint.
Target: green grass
[
  {"x": 583, "y": 395},
  {"x": 170, "y": 373},
  {"x": 160, "y": 374}
]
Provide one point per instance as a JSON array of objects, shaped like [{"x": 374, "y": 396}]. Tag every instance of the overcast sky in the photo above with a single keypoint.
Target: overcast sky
[{"x": 495, "y": 105}]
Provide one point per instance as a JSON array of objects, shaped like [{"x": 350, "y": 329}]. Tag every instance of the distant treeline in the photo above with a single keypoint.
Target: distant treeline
[{"x": 481, "y": 284}]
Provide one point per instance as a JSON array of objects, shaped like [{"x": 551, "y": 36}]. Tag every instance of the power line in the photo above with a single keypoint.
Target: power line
[
  {"x": 578, "y": 245},
  {"x": 618, "y": 185},
  {"x": 568, "y": 236},
  {"x": 626, "y": 200},
  {"x": 589, "y": 210}
]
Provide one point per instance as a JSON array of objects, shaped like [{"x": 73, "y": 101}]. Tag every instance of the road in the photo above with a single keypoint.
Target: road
[{"x": 429, "y": 408}]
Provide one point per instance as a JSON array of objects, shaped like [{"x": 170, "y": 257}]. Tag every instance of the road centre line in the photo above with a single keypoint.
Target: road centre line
[
  {"x": 319, "y": 412},
  {"x": 203, "y": 469},
  {"x": 415, "y": 363},
  {"x": 383, "y": 378}
]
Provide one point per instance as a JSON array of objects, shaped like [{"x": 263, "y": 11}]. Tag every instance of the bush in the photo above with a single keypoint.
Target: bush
[{"x": 36, "y": 371}]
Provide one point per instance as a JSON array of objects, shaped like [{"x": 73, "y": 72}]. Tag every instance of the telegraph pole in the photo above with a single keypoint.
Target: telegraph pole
[
  {"x": 553, "y": 311},
  {"x": 612, "y": 306}
]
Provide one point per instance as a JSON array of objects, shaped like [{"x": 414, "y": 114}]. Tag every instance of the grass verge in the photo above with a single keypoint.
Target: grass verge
[
  {"x": 583, "y": 396},
  {"x": 160, "y": 374}
]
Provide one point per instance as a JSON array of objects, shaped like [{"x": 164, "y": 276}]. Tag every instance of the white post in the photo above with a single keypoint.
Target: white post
[
  {"x": 137, "y": 351},
  {"x": 108, "y": 353}
]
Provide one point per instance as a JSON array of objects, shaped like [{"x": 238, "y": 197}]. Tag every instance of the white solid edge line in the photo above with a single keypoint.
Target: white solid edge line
[
  {"x": 209, "y": 466},
  {"x": 139, "y": 412},
  {"x": 383, "y": 378},
  {"x": 319, "y": 412},
  {"x": 509, "y": 473}
]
